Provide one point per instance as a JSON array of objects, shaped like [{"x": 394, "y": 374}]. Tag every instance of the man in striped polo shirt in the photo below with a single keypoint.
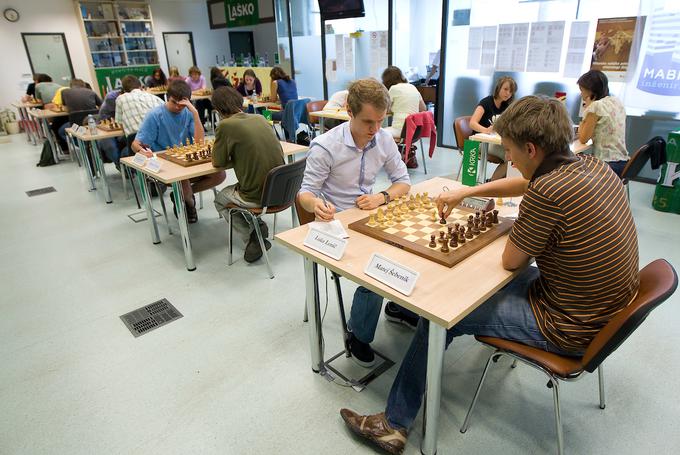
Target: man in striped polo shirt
[{"x": 574, "y": 220}]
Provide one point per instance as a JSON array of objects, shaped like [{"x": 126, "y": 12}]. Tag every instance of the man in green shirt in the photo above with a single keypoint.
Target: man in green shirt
[{"x": 247, "y": 144}]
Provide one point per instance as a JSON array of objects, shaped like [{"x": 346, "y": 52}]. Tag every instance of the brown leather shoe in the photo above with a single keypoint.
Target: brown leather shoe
[{"x": 376, "y": 429}]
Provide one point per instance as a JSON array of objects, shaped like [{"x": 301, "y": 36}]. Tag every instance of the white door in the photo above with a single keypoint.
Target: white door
[
  {"x": 179, "y": 49},
  {"x": 48, "y": 54}
]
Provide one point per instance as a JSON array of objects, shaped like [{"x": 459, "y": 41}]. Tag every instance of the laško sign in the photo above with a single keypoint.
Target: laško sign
[{"x": 241, "y": 12}]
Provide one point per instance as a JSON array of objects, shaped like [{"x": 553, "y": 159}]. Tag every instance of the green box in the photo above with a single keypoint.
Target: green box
[
  {"x": 667, "y": 193},
  {"x": 470, "y": 163},
  {"x": 267, "y": 114}
]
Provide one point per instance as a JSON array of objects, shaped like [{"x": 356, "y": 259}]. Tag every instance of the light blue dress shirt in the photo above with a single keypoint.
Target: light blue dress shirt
[{"x": 343, "y": 172}]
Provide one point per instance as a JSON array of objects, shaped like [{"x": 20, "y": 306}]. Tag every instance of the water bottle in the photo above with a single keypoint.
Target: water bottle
[
  {"x": 91, "y": 125},
  {"x": 266, "y": 59}
]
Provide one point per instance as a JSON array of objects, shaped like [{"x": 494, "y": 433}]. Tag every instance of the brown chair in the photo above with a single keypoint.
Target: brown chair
[
  {"x": 312, "y": 121},
  {"x": 639, "y": 159},
  {"x": 462, "y": 131},
  {"x": 658, "y": 281},
  {"x": 280, "y": 189}
]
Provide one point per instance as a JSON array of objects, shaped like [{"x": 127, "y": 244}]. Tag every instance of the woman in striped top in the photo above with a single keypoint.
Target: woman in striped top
[{"x": 574, "y": 220}]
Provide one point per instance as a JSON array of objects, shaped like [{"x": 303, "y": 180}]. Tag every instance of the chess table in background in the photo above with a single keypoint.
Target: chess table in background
[
  {"x": 110, "y": 125},
  {"x": 414, "y": 233},
  {"x": 189, "y": 155}
]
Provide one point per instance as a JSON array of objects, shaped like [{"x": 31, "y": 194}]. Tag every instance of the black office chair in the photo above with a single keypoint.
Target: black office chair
[
  {"x": 280, "y": 188},
  {"x": 639, "y": 159}
]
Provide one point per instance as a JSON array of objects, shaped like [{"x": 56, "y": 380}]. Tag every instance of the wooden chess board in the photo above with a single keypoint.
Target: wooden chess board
[
  {"x": 413, "y": 233},
  {"x": 110, "y": 127},
  {"x": 188, "y": 156}
]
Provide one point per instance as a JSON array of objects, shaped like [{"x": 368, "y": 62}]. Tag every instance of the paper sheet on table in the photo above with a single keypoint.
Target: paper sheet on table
[{"x": 333, "y": 228}]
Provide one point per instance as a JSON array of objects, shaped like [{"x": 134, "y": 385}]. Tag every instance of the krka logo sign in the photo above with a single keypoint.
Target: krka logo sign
[{"x": 241, "y": 12}]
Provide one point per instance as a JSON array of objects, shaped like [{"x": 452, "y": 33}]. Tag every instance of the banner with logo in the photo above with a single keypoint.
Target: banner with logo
[
  {"x": 241, "y": 12},
  {"x": 109, "y": 78},
  {"x": 667, "y": 194},
  {"x": 470, "y": 163},
  {"x": 660, "y": 69}
]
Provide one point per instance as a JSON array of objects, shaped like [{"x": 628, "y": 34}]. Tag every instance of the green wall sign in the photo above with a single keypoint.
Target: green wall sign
[
  {"x": 241, "y": 12},
  {"x": 109, "y": 78}
]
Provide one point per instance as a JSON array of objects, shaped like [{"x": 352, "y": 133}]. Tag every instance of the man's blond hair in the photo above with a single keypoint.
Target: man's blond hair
[
  {"x": 367, "y": 91},
  {"x": 540, "y": 120}
]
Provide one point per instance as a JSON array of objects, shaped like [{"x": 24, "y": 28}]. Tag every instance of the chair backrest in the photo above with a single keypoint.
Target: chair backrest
[
  {"x": 658, "y": 281},
  {"x": 77, "y": 117},
  {"x": 303, "y": 215},
  {"x": 315, "y": 106},
  {"x": 282, "y": 184},
  {"x": 462, "y": 130},
  {"x": 418, "y": 130},
  {"x": 640, "y": 157}
]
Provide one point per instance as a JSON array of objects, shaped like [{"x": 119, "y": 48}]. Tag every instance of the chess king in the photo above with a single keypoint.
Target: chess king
[
  {"x": 574, "y": 220},
  {"x": 342, "y": 165}
]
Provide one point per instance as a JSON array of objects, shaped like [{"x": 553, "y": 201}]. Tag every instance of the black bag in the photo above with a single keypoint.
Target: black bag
[
  {"x": 302, "y": 138},
  {"x": 46, "y": 156}
]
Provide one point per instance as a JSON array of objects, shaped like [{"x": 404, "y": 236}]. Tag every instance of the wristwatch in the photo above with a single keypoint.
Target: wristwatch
[{"x": 387, "y": 196}]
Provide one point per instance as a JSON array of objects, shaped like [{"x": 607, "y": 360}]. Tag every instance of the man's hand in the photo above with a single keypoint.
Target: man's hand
[
  {"x": 324, "y": 211},
  {"x": 446, "y": 202},
  {"x": 370, "y": 201},
  {"x": 188, "y": 104}
]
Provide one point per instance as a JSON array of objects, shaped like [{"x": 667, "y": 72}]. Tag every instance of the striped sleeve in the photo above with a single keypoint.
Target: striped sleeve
[{"x": 539, "y": 221}]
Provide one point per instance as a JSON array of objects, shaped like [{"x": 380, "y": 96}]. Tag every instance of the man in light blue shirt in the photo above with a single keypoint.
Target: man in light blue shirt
[
  {"x": 342, "y": 165},
  {"x": 172, "y": 124}
]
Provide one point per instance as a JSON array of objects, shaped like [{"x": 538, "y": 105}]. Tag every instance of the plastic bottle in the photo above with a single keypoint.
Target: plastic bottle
[
  {"x": 91, "y": 125},
  {"x": 266, "y": 59},
  {"x": 232, "y": 61}
]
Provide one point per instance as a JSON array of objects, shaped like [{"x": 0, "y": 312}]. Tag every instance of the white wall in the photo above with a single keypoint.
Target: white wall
[{"x": 37, "y": 16}]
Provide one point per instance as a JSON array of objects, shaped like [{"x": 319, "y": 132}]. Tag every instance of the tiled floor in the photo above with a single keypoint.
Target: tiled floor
[{"x": 233, "y": 375}]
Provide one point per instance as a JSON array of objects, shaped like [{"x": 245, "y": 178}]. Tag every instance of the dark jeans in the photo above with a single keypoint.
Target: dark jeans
[
  {"x": 507, "y": 314},
  {"x": 365, "y": 313},
  {"x": 617, "y": 166}
]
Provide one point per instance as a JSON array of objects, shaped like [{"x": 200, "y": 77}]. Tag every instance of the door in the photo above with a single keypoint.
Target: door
[
  {"x": 179, "y": 50},
  {"x": 48, "y": 54},
  {"x": 241, "y": 43}
]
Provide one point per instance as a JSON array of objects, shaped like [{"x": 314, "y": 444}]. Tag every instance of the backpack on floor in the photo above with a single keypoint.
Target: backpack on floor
[{"x": 46, "y": 156}]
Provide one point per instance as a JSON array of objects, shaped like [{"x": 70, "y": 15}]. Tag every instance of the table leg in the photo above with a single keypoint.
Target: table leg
[
  {"x": 321, "y": 128},
  {"x": 23, "y": 116},
  {"x": 314, "y": 313},
  {"x": 102, "y": 171},
  {"x": 50, "y": 138},
  {"x": 141, "y": 179},
  {"x": 435, "y": 358},
  {"x": 484, "y": 153},
  {"x": 183, "y": 227},
  {"x": 86, "y": 163}
]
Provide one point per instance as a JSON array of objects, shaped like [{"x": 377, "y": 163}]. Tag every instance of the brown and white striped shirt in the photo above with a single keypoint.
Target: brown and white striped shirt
[{"x": 576, "y": 221}]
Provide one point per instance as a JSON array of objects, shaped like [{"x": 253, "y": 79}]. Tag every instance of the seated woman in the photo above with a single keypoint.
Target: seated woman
[
  {"x": 486, "y": 112},
  {"x": 282, "y": 89},
  {"x": 406, "y": 99},
  {"x": 250, "y": 85},
  {"x": 173, "y": 75},
  {"x": 196, "y": 81},
  {"x": 604, "y": 121},
  {"x": 337, "y": 102},
  {"x": 217, "y": 78},
  {"x": 157, "y": 79}
]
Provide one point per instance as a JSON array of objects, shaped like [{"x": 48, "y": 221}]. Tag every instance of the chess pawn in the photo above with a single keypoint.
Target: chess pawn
[
  {"x": 434, "y": 215},
  {"x": 453, "y": 243},
  {"x": 468, "y": 233},
  {"x": 445, "y": 247},
  {"x": 433, "y": 242},
  {"x": 442, "y": 237},
  {"x": 475, "y": 228},
  {"x": 371, "y": 221},
  {"x": 495, "y": 216},
  {"x": 483, "y": 224},
  {"x": 187, "y": 142},
  {"x": 461, "y": 235},
  {"x": 489, "y": 221}
]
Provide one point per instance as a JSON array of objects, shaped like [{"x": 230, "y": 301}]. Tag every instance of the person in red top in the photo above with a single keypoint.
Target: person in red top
[{"x": 574, "y": 220}]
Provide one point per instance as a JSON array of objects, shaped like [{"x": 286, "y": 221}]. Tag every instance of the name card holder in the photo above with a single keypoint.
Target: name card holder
[
  {"x": 139, "y": 159},
  {"x": 325, "y": 243},
  {"x": 153, "y": 165},
  {"x": 398, "y": 277}
]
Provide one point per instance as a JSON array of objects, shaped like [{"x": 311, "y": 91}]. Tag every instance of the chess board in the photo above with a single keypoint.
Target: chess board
[
  {"x": 413, "y": 234},
  {"x": 110, "y": 126},
  {"x": 189, "y": 155}
]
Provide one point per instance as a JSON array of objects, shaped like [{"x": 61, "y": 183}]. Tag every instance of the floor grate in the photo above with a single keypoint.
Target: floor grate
[
  {"x": 40, "y": 191},
  {"x": 150, "y": 317}
]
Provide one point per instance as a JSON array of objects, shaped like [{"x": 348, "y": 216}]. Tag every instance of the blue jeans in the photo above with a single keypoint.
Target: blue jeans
[
  {"x": 507, "y": 314},
  {"x": 364, "y": 315},
  {"x": 617, "y": 166}
]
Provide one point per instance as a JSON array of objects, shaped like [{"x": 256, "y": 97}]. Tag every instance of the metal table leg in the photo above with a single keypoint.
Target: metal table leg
[
  {"x": 435, "y": 358},
  {"x": 23, "y": 116},
  {"x": 484, "y": 152},
  {"x": 50, "y": 137},
  {"x": 86, "y": 163},
  {"x": 147, "y": 206},
  {"x": 102, "y": 172},
  {"x": 183, "y": 227},
  {"x": 314, "y": 312}
]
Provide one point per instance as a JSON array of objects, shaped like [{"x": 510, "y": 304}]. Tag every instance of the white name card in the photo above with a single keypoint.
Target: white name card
[
  {"x": 153, "y": 165},
  {"x": 139, "y": 159},
  {"x": 325, "y": 243},
  {"x": 396, "y": 276}
]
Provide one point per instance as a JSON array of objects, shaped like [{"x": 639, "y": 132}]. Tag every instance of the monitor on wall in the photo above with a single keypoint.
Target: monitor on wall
[{"x": 341, "y": 9}]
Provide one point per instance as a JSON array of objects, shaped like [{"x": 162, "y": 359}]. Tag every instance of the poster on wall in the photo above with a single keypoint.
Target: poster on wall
[
  {"x": 545, "y": 46},
  {"x": 611, "y": 49},
  {"x": 511, "y": 51},
  {"x": 487, "y": 63},
  {"x": 110, "y": 78},
  {"x": 474, "y": 55},
  {"x": 659, "y": 72},
  {"x": 576, "y": 49},
  {"x": 349, "y": 54},
  {"x": 340, "y": 52}
]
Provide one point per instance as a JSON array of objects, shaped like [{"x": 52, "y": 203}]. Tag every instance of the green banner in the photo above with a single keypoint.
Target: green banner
[
  {"x": 241, "y": 12},
  {"x": 667, "y": 194},
  {"x": 109, "y": 78},
  {"x": 470, "y": 163}
]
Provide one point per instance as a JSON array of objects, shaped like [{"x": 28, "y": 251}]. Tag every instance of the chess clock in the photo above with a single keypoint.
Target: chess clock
[{"x": 11, "y": 14}]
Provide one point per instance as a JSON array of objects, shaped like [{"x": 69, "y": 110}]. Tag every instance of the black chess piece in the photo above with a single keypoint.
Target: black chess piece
[
  {"x": 441, "y": 221},
  {"x": 468, "y": 233},
  {"x": 433, "y": 242},
  {"x": 445, "y": 247},
  {"x": 495, "y": 217},
  {"x": 489, "y": 220},
  {"x": 441, "y": 238},
  {"x": 461, "y": 235},
  {"x": 453, "y": 243}
]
